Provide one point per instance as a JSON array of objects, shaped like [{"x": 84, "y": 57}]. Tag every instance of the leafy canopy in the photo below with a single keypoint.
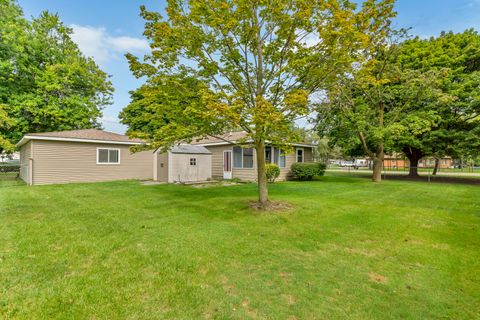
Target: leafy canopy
[
  {"x": 242, "y": 64},
  {"x": 457, "y": 58},
  {"x": 46, "y": 83}
]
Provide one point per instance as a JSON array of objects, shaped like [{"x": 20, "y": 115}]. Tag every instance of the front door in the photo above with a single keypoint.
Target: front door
[{"x": 227, "y": 164}]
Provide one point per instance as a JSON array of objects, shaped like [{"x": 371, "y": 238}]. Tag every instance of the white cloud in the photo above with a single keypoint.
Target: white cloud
[
  {"x": 97, "y": 43},
  {"x": 110, "y": 119},
  {"x": 128, "y": 44}
]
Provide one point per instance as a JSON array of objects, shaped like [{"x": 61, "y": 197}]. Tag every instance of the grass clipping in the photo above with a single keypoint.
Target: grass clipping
[{"x": 271, "y": 206}]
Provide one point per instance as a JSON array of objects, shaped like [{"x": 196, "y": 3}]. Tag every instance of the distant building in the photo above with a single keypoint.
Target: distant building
[{"x": 13, "y": 157}]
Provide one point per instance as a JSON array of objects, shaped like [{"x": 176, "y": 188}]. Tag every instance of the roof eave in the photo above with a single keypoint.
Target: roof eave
[
  {"x": 27, "y": 138},
  {"x": 222, "y": 143}
]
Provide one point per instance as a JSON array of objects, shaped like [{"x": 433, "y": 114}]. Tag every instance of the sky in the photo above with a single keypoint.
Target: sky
[{"x": 107, "y": 29}]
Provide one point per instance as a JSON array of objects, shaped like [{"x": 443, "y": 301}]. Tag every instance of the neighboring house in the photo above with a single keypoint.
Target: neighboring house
[
  {"x": 230, "y": 160},
  {"x": 395, "y": 161},
  {"x": 93, "y": 155},
  {"x": 444, "y": 163},
  {"x": 398, "y": 161}
]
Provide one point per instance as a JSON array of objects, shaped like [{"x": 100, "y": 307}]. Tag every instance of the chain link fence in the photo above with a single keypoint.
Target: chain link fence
[
  {"x": 451, "y": 174},
  {"x": 9, "y": 174}
]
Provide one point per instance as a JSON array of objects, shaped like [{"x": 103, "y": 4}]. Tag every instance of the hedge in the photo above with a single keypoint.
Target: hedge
[{"x": 306, "y": 171}]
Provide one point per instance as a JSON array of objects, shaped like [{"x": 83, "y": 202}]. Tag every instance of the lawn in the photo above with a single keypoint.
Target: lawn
[
  {"x": 8, "y": 179},
  {"x": 350, "y": 249}
]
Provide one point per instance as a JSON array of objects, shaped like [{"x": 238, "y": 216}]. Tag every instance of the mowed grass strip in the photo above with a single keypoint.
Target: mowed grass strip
[{"x": 349, "y": 249}]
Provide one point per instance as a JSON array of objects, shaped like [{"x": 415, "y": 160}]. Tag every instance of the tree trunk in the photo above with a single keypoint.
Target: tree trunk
[
  {"x": 435, "y": 169},
  {"x": 261, "y": 175},
  {"x": 378, "y": 164},
  {"x": 414, "y": 155}
]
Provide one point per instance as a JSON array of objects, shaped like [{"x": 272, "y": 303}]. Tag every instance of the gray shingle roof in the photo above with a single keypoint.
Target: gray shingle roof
[
  {"x": 189, "y": 149},
  {"x": 231, "y": 137},
  {"x": 86, "y": 134}
]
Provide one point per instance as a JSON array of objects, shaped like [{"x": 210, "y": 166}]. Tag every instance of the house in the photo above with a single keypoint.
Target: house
[
  {"x": 93, "y": 155},
  {"x": 443, "y": 163},
  {"x": 230, "y": 160}
]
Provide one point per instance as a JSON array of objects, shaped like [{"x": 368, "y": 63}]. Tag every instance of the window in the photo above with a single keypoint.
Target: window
[
  {"x": 242, "y": 158},
  {"x": 237, "y": 157},
  {"x": 299, "y": 155},
  {"x": 268, "y": 154},
  {"x": 108, "y": 156},
  {"x": 279, "y": 158},
  {"x": 193, "y": 161}
]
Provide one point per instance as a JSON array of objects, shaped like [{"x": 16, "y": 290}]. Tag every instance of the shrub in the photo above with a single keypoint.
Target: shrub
[
  {"x": 272, "y": 171},
  {"x": 306, "y": 171}
]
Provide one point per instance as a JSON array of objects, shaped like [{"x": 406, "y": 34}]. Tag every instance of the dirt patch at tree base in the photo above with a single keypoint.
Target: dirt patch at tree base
[{"x": 271, "y": 206}]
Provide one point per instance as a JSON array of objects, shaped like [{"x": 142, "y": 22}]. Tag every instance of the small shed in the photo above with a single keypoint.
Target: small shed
[{"x": 183, "y": 163}]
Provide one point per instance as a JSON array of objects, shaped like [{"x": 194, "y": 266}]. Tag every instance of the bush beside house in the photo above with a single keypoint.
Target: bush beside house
[
  {"x": 306, "y": 171},
  {"x": 272, "y": 171}
]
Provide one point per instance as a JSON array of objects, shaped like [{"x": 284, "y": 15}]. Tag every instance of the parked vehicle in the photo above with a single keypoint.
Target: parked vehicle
[
  {"x": 347, "y": 163},
  {"x": 360, "y": 163}
]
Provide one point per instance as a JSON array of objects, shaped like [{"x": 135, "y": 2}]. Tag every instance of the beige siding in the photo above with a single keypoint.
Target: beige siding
[
  {"x": 308, "y": 154},
  {"x": 25, "y": 155},
  {"x": 217, "y": 160},
  {"x": 251, "y": 174},
  {"x": 162, "y": 167},
  {"x": 180, "y": 169},
  {"x": 65, "y": 162}
]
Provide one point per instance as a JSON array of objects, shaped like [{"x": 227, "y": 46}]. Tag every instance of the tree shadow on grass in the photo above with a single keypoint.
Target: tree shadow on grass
[{"x": 435, "y": 179}]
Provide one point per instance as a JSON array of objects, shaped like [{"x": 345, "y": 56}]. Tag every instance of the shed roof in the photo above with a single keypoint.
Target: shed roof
[{"x": 189, "y": 149}]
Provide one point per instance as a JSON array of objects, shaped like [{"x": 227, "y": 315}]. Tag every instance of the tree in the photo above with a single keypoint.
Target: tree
[
  {"x": 46, "y": 84},
  {"x": 257, "y": 62},
  {"x": 370, "y": 107},
  {"x": 455, "y": 133},
  {"x": 5, "y": 124}
]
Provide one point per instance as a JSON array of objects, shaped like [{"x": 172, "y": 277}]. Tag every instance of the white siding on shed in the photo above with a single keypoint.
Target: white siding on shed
[{"x": 180, "y": 169}]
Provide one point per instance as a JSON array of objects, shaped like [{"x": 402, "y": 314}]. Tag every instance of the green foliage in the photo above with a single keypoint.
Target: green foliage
[
  {"x": 252, "y": 61},
  {"x": 46, "y": 83},
  {"x": 272, "y": 171},
  {"x": 419, "y": 96},
  {"x": 456, "y": 57},
  {"x": 307, "y": 171}
]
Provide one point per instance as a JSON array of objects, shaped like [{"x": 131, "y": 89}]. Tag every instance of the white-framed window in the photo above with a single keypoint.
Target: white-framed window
[
  {"x": 300, "y": 156},
  {"x": 108, "y": 156},
  {"x": 193, "y": 161},
  {"x": 242, "y": 158},
  {"x": 280, "y": 158}
]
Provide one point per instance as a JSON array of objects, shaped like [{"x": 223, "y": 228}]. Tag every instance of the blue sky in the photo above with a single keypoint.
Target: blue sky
[{"x": 106, "y": 30}]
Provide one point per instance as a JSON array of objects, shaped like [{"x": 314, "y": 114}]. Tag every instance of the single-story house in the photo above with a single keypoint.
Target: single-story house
[
  {"x": 230, "y": 160},
  {"x": 93, "y": 155}
]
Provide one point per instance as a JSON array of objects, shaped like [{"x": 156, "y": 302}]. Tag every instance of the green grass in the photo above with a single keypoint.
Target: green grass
[
  {"x": 9, "y": 179},
  {"x": 351, "y": 249}
]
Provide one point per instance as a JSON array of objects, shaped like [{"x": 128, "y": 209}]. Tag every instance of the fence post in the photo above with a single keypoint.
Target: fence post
[{"x": 30, "y": 171}]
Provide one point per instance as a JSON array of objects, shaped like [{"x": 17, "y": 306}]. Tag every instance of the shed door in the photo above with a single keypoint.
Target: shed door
[{"x": 227, "y": 164}]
